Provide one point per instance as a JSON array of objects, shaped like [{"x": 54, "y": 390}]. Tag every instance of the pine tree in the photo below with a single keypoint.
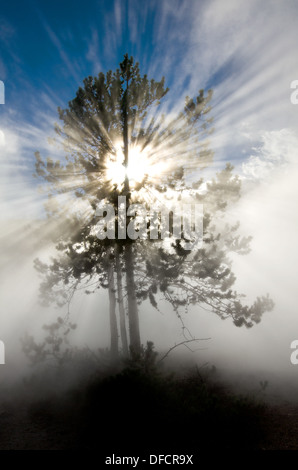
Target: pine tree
[{"x": 115, "y": 112}]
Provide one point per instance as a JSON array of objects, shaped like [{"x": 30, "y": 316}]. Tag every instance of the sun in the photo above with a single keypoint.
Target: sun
[{"x": 139, "y": 167}]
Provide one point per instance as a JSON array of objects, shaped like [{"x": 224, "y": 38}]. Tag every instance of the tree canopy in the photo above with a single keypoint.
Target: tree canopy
[{"x": 118, "y": 144}]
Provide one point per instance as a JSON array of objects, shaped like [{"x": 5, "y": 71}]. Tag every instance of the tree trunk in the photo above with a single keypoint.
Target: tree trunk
[
  {"x": 113, "y": 319},
  {"x": 121, "y": 306},
  {"x": 133, "y": 316}
]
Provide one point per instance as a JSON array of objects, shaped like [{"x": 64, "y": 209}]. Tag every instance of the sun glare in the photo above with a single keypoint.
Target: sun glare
[{"x": 139, "y": 167}]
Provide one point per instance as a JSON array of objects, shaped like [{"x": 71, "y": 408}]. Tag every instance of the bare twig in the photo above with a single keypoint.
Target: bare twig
[{"x": 185, "y": 344}]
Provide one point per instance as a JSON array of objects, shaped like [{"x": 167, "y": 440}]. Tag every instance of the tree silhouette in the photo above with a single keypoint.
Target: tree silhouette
[{"x": 112, "y": 118}]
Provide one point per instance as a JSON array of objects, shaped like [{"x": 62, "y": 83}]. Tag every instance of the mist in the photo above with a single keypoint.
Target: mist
[
  {"x": 267, "y": 211},
  {"x": 58, "y": 376}
]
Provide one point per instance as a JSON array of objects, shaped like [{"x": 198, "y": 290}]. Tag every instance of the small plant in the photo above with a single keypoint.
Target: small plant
[
  {"x": 54, "y": 348},
  {"x": 145, "y": 360},
  {"x": 263, "y": 385}
]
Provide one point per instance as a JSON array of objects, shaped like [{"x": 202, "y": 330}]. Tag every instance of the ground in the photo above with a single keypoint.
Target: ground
[
  {"x": 76, "y": 423},
  {"x": 281, "y": 427}
]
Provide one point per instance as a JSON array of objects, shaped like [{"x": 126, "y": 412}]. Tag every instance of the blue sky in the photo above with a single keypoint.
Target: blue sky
[
  {"x": 52, "y": 46},
  {"x": 245, "y": 50}
]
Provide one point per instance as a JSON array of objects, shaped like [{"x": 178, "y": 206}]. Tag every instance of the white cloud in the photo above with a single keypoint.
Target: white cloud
[
  {"x": 278, "y": 150},
  {"x": 249, "y": 52},
  {"x": 2, "y": 139}
]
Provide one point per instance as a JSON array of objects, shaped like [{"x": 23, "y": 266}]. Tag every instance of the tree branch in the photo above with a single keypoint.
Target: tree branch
[{"x": 183, "y": 343}]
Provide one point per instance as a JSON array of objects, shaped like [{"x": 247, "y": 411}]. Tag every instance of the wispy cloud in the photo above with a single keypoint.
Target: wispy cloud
[
  {"x": 243, "y": 52},
  {"x": 7, "y": 31},
  {"x": 118, "y": 12},
  {"x": 19, "y": 196},
  {"x": 70, "y": 65},
  {"x": 93, "y": 53},
  {"x": 8, "y": 34}
]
